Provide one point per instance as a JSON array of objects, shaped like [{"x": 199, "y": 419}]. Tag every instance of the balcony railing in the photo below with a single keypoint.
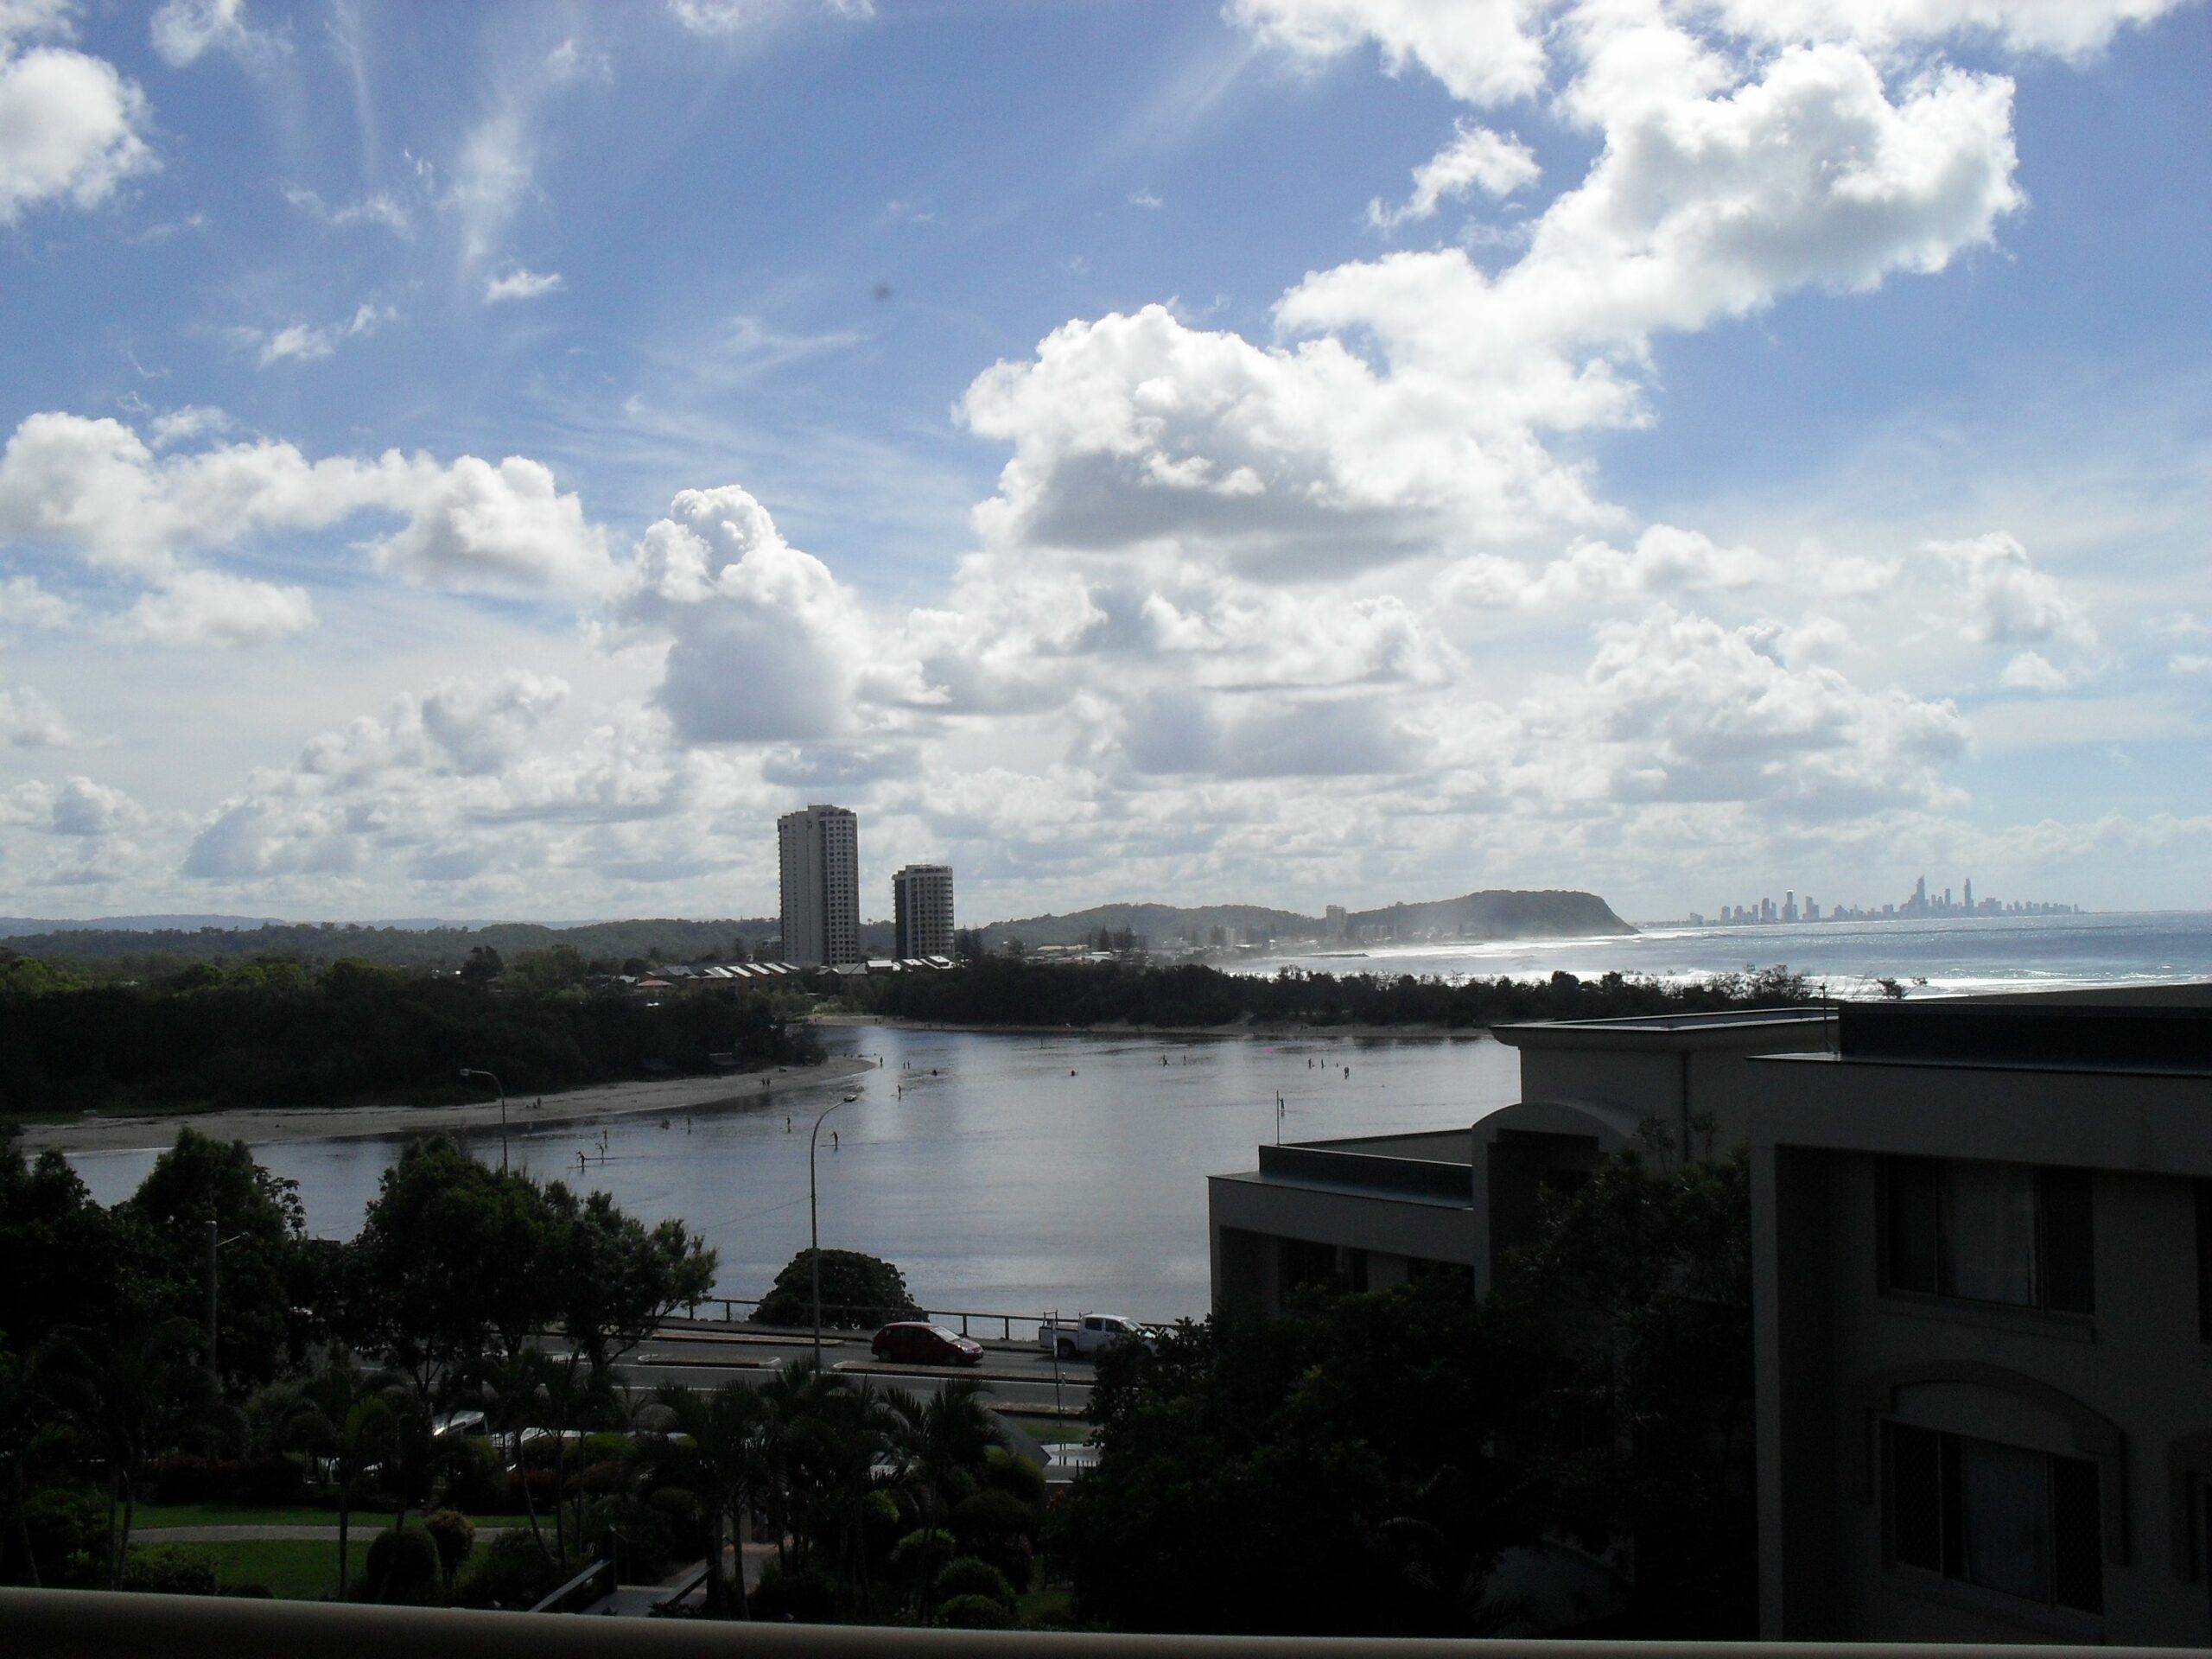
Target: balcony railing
[{"x": 52, "y": 1624}]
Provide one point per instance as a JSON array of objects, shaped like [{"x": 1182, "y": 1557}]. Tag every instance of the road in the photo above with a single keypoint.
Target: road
[{"x": 707, "y": 1353}]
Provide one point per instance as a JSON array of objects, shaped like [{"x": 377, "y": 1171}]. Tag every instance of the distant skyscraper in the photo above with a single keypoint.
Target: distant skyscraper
[
  {"x": 819, "y": 852},
  {"x": 1333, "y": 921},
  {"x": 1969, "y": 893},
  {"x": 921, "y": 896}
]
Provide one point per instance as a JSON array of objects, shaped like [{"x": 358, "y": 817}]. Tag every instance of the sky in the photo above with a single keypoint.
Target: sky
[{"x": 488, "y": 461}]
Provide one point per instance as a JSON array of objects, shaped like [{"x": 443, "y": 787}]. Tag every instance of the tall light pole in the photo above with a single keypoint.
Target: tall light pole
[
  {"x": 471, "y": 1071},
  {"x": 215, "y": 1243},
  {"x": 813, "y": 1230}
]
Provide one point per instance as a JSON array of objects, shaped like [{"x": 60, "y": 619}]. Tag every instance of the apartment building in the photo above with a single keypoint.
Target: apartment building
[
  {"x": 819, "y": 860},
  {"x": 921, "y": 903},
  {"x": 1371, "y": 1211},
  {"x": 1983, "y": 1323}
]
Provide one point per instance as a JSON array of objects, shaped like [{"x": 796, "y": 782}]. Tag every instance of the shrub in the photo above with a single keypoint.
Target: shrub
[
  {"x": 998, "y": 1526},
  {"x": 857, "y": 1291},
  {"x": 686, "y": 1519},
  {"x": 168, "y": 1570},
  {"x": 975, "y": 1613},
  {"x": 247, "y": 1592},
  {"x": 68, "y": 1536},
  {"x": 402, "y": 1565},
  {"x": 187, "y": 1480},
  {"x": 967, "y": 1575},
  {"x": 476, "y": 1480},
  {"x": 603, "y": 1446},
  {"x": 925, "y": 1550},
  {"x": 454, "y": 1534},
  {"x": 1012, "y": 1473},
  {"x": 273, "y": 1480},
  {"x": 541, "y": 1487},
  {"x": 600, "y": 1479},
  {"x": 510, "y": 1571},
  {"x": 805, "y": 1598}
]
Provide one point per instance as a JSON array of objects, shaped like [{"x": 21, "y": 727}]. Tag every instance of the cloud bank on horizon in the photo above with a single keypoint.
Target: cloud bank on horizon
[{"x": 1679, "y": 447}]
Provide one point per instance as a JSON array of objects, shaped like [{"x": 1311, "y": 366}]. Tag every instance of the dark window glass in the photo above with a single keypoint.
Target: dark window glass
[
  {"x": 2024, "y": 1523},
  {"x": 2077, "y": 1534},
  {"x": 1913, "y": 1248},
  {"x": 1988, "y": 1232},
  {"x": 2204, "y": 1261},
  {"x": 2067, "y": 1256},
  {"x": 1916, "y": 1498}
]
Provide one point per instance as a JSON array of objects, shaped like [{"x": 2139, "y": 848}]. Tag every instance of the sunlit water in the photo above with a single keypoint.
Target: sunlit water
[
  {"x": 1956, "y": 955},
  {"x": 1013, "y": 1173}
]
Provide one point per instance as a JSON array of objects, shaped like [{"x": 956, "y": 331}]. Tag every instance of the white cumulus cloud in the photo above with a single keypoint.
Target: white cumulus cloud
[
  {"x": 522, "y": 284},
  {"x": 71, "y": 129}
]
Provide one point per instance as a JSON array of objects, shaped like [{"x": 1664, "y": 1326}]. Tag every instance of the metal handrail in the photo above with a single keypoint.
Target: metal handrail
[
  {"x": 66, "y": 1623},
  {"x": 1006, "y": 1321},
  {"x": 557, "y": 1601}
]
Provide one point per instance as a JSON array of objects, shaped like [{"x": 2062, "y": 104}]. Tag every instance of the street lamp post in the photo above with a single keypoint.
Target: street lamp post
[
  {"x": 471, "y": 1071},
  {"x": 215, "y": 1243},
  {"x": 813, "y": 1230}
]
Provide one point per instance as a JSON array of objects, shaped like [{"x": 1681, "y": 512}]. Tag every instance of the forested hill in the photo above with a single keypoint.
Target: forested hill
[
  {"x": 1161, "y": 923},
  {"x": 1496, "y": 914},
  {"x": 1502, "y": 914},
  {"x": 659, "y": 939}
]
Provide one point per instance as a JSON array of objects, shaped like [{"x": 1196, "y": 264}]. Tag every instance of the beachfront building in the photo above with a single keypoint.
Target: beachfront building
[
  {"x": 921, "y": 904},
  {"x": 818, "y": 856},
  {"x": 1373, "y": 1210},
  {"x": 1982, "y": 1306}
]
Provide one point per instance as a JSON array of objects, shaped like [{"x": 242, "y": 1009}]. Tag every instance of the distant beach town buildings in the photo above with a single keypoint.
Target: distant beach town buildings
[
  {"x": 1922, "y": 904},
  {"x": 819, "y": 860}
]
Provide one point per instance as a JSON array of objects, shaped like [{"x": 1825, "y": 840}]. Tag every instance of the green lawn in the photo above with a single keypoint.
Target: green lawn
[
  {"x": 1046, "y": 1610},
  {"x": 1050, "y": 1429},
  {"x": 370, "y": 1521},
  {"x": 290, "y": 1570}
]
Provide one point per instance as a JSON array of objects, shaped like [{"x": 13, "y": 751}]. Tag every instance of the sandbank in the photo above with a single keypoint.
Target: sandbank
[{"x": 260, "y": 1126}]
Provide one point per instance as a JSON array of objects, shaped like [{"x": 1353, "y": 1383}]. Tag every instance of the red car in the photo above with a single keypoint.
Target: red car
[{"x": 918, "y": 1343}]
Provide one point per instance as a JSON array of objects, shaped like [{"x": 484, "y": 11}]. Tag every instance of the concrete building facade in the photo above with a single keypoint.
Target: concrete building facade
[
  {"x": 818, "y": 858},
  {"x": 1367, "y": 1212},
  {"x": 1982, "y": 1311},
  {"x": 921, "y": 896}
]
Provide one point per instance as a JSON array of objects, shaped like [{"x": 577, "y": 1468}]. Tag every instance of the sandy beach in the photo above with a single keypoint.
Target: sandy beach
[{"x": 261, "y": 1126}]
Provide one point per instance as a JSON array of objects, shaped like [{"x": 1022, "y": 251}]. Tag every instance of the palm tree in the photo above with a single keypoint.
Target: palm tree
[
  {"x": 133, "y": 1389},
  {"x": 716, "y": 1444},
  {"x": 511, "y": 1391},
  {"x": 798, "y": 1400},
  {"x": 852, "y": 1451},
  {"x": 941, "y": 1438},
  {"x": 353, "y": 1424}
]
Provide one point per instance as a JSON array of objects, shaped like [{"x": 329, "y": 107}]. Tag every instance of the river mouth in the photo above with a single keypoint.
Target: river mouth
[{"x": 1000, "y": 1172}]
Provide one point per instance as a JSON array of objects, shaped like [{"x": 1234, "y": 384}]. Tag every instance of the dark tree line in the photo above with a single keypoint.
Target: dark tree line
[
  {"x": 1358, "y": 1465},
  {"x": 274, "y": 1033},
  {"x": 1008, "y": 991}
]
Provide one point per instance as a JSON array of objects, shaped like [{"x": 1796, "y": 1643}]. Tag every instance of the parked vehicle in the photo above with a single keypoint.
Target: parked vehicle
[
  {"x": 916, "y": 1342},
  {"x": 1085, "y": 1338}
]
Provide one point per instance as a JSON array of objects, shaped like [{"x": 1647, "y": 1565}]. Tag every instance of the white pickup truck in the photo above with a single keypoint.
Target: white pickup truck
[{"x": 1085, "y": 1338}]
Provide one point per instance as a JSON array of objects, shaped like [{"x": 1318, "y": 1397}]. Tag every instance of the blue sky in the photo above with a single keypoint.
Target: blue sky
[{"x": 490, "y": 460}]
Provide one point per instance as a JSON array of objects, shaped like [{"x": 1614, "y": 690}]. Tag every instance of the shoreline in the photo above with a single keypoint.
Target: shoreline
[
  {"x": 265, "y": 1126},
  {"x": 1235, "y": 1030}
]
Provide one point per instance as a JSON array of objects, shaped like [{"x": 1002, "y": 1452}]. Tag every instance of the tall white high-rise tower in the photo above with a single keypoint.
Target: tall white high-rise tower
[{"x": 819, "y": 852}]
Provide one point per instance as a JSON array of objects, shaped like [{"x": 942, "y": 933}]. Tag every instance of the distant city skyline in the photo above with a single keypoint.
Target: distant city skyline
[
  {"x": 1922, "y": 903},
  {"x": 492, "y": 460}
]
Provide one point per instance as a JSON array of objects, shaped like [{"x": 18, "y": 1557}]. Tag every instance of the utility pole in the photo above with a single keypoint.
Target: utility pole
[
  {"x": 468, "y": 1072},
  {"x": 814, "y": 1232},
  {"x": 215, "y": 1244}
]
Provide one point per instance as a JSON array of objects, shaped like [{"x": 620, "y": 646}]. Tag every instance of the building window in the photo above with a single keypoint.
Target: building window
[
  {"x": 2204, "y": 1261},
  {"x": 2020, "y": 1522},
  {"x": 2007, "y": 1233}
]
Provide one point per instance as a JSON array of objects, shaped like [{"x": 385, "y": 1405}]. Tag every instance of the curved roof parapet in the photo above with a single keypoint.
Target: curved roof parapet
[{"x": 1616, "y": 1127}]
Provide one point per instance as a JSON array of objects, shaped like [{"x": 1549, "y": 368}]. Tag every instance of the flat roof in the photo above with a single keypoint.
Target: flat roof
[{"x": 1727, "y": 1028}]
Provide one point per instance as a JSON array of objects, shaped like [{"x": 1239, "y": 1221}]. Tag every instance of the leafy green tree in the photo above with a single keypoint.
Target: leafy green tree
[
  {"x": 555, "y": 968},
  {"x": 1340, "y": 1470},
  {"x": 1644, "y": 1273},
  {"x": 857, "y": 1291},
  {"x": 482, "y": 967},
  {"x": 349, "y": 1419},
  {"x": 259, "y": 1218},
  {"x": 614, "y": 1278},
  {"x": 449, "y": 1266},
  {"x": 68, "y": 1261}
]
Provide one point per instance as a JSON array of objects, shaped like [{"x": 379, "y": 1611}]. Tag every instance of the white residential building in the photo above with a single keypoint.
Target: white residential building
[{"x": 819, "y": 855}]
